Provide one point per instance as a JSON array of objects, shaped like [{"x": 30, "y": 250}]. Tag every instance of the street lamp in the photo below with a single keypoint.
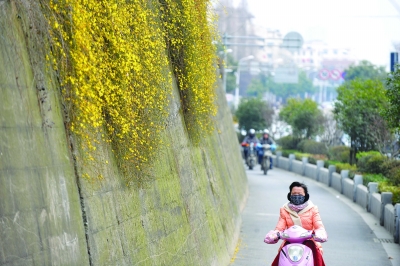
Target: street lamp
[{"x": 238, "y": 79}]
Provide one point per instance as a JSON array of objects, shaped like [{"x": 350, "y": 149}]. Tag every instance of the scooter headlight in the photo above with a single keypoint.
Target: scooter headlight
[{"x": 295, "y": 252}]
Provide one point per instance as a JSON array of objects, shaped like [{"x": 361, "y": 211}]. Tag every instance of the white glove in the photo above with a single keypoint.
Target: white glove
[
  {"x": 321, "y": 236},
  {"x": 271, "y": 237}
]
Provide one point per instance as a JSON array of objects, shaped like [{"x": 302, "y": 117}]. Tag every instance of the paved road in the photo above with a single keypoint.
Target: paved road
[{"x": 355, "y": 236}]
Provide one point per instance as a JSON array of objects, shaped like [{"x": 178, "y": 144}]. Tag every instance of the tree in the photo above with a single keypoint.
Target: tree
[
  {"x": 365, "y": 70},
  {"x": 392, "y": 112},
  {"x": 358, "y": 104},
  {"x": 304, "y": 117},
  {"x": 332, "y": 134},
  {"x": 254, "y": 113},
  {"x": 383, "y": 136}
]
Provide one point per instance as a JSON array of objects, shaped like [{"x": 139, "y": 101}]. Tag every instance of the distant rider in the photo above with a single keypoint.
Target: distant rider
[
  {"x": 250, "y": 138},
  {"x": 265, "y": 140}
]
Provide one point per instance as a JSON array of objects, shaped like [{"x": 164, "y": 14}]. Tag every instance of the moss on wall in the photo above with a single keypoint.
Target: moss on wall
[
  {"x": 187, "y": 214},
  {"x": 40, "y": 211}
]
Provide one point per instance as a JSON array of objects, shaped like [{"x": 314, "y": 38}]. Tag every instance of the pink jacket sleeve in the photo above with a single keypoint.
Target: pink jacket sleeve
[
  {"x": 282, "y": 225},
  {"x": 316, "y": 220},
  {"x": 319, "y": 229}
]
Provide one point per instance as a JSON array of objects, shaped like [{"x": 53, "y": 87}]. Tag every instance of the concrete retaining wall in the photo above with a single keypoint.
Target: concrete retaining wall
[
  {"x": 389, "y": 218},
  {"x": 348, "y": 188},
  {"x": 396, "y": 234},
  {"x": 310, "y": 171},
  {"x": 185, "y": 212},
  {"x": 297, "y": 167},
  {"x": 324, "y": 176},
  {"x": 367, "y": 197},
  {"x": 362, "y": 196},
  {"x": 40, "y": 210},
  {"x": 337, "y": 182},
  {"x": 376, "y": 205},
  {"x": 283, "y": 163}
]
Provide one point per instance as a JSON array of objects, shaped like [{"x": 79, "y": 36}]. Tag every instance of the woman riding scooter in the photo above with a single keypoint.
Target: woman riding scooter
[{"x": 300, "y": 211}]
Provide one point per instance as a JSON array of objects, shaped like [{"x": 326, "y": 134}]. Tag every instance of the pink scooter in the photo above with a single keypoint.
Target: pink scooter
[{"x": 296, "y": 253}]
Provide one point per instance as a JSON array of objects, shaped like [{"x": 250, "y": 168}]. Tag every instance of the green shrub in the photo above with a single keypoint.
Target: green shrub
[
  {"x": 362, "y": 154},
  {"x": 387, "y": 187},
  {"x": 300, "y": 145},
  {"x": 313, "y": 147},
  {"x": 312, "y": 160},
  {"x": 330, "y": 162},
  {"x": 346, "y": 166},
  {"x": 288, "y": 142},
  {"x": 371, "y": 163},
  {"x": 285, "y": 153},
  {"x": 299, "y": 156},
  {"x": 339, "y": 153},
  {"x": 378, "y": 178},
  {"x": 394, "y": 176},
  {"x": 388, "y": 165}
]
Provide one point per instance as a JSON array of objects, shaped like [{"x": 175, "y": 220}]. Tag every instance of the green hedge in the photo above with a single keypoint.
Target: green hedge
[
  {"x": 391, "y": 169},
  {"x": 288, "y": 143},
  {"x": 339, "y": 153},
  {"x": 377, "y": 178},
  {"x": 312, "y": 147},
  {"x": 371, "y": 163},
  {"x": 387, "y": 187}
]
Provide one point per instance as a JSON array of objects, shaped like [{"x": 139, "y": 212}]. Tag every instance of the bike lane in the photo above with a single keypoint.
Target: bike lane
[{"x": 354, "y": 234}]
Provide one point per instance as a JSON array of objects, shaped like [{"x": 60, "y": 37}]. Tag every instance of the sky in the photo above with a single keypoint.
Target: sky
[{"x": 367, "y": 27}]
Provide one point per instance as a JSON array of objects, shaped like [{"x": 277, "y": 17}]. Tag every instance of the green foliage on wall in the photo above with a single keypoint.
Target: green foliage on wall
[{"x": 113, "y": 59}]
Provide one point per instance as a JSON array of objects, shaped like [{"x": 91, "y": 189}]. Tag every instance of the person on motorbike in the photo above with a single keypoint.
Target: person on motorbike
[
  {"x": 250, "y": 138},
  {"x": 264, "y": 140},
  {"x": 300, "y": 211}
]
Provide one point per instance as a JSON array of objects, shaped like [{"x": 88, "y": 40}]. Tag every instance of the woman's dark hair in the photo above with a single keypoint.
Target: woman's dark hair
[{"x": 298, "y": 184}]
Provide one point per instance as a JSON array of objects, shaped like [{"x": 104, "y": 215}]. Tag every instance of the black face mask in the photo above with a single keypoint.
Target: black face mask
[{"x": 297, "y": 199}]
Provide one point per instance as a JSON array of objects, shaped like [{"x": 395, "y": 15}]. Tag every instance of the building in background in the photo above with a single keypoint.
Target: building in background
[{"x": 325, "y": 66}]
